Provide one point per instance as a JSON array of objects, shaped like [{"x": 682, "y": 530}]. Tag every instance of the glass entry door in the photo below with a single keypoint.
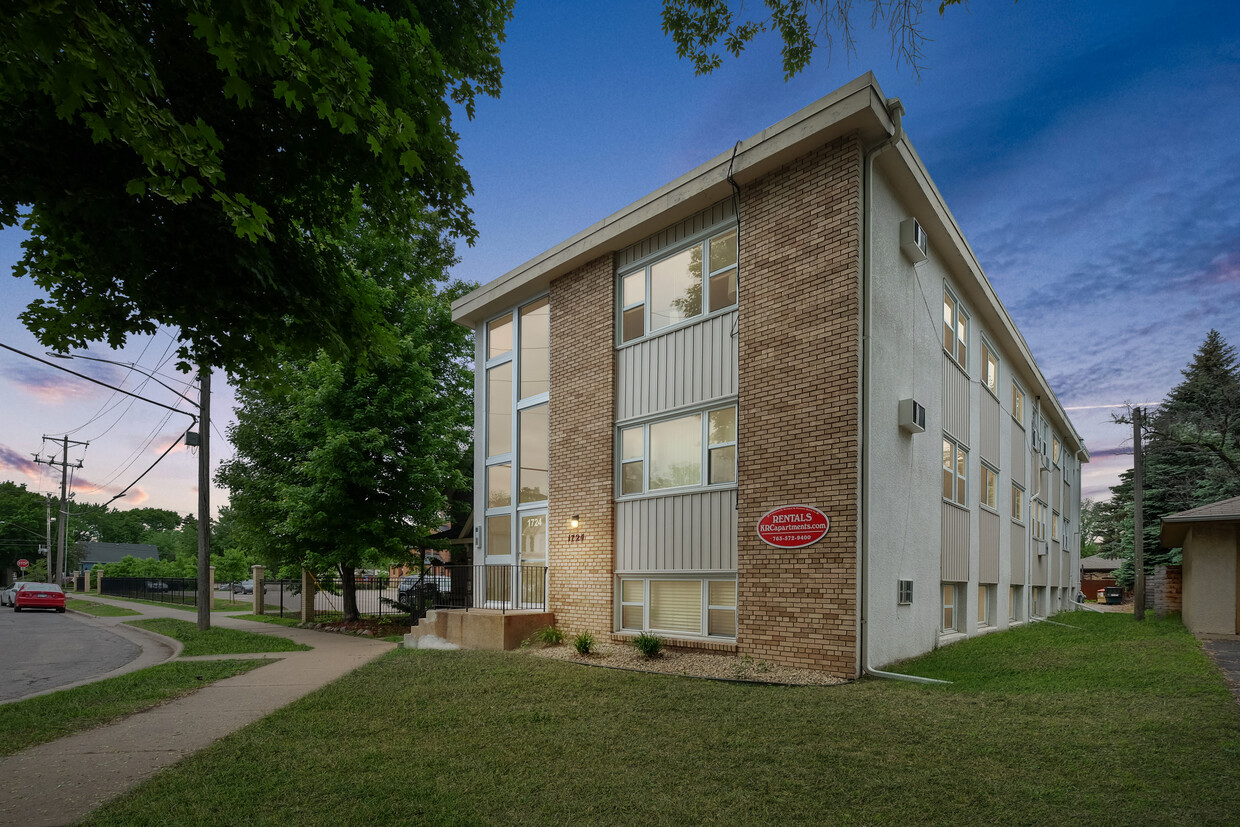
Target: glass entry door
[{"x": 531, "y": 571}]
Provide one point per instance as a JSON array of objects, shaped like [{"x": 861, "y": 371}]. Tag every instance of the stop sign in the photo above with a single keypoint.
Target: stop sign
[{"x": 23, "y": 563}]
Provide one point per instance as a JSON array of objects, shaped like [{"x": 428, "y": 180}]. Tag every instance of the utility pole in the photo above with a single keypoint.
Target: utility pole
[
  {"x": 1138, "y": 527},
  {"x": 62, "y": 536},
  {"x": 204, "y": 499},
  {"x": 47, "y": 549}
]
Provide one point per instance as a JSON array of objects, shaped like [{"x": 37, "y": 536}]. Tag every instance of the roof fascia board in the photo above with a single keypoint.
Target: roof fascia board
[{"x": 858, "y": 106}]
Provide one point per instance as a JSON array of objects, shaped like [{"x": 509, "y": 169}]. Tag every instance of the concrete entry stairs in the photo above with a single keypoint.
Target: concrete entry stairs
[{"x": 490, "y": 629}]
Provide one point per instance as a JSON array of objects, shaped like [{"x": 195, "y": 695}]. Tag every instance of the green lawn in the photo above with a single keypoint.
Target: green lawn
[
  {"x": 98, "y": 609},
  {"x": 37, "y": 720},
  {"x": 217, "y": 640},
  {"x": 288, "y": 620},
  {"x": 1111, "y": 723}
]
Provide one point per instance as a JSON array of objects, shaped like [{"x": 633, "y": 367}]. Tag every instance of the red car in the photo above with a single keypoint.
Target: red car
[{"x": 39, "y": 596}]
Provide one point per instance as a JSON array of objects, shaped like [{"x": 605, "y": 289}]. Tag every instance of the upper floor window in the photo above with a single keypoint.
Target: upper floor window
[
  {"x": 1018, "y": 404},
  {"x": 955, "y": 472},
  {"x": 1055, "y": 450},
  {"x": 955, "y": 330},
  {"x": 1018, "y": 503},
  {"x": 989, "y": 489},
  {"x": 699, "y": 279},
  {"x": 698, "y": 449},
  {"x": 990, "y": 369},
  {"x": 1038, "y": 511}
]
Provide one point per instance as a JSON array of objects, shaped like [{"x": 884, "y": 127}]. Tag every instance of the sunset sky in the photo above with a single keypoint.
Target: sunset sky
[{"x": 1086, "y": 150}]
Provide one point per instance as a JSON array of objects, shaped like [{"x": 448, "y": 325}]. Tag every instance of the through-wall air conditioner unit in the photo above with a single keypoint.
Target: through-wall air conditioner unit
[
  {"x": 913, "y": 240},
  {"x": 912, "y": 416}
]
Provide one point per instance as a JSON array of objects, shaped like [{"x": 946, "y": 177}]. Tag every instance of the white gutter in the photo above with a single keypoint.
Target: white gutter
[{"x": 895, "y": 111}]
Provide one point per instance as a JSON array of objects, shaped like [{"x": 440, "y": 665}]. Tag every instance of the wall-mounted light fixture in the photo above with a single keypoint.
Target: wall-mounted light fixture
[{"x": 574, "y": 521}]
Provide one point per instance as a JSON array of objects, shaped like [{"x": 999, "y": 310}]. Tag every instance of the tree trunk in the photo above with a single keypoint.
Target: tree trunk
[{"x": 348, "y": 592}]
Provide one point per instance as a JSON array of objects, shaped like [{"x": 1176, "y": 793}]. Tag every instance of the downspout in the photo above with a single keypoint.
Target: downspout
[{"x": 895, "y": 110}]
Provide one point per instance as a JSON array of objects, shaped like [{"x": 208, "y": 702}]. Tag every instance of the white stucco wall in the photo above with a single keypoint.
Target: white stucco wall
[
  {"x": 903, "y": 481},
  {"x": 1209, "y": 579}
]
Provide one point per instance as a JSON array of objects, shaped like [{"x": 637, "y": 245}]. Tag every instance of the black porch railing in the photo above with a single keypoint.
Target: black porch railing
[{"x": 453, "y": 586}]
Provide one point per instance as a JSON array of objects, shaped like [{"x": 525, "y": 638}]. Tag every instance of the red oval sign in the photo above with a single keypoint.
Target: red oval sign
[
  {"x": 793, "y": 526},
  {"x": 23, "y": 563}
]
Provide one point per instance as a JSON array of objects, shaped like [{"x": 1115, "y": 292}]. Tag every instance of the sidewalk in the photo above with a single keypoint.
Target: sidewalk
[{"x": 62, "y": 781}]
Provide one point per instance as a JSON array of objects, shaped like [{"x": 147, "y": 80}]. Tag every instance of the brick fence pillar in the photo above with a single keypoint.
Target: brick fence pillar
[
  {"x": 1167, "y": 590},
  {"x": 258, "y": 574},
  {"x": 307, "y": 597}
]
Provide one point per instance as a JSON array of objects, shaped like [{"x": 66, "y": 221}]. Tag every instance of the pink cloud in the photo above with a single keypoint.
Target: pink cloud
[
  {"x": 12, "y": 461},
  {"x": 48, "y": 386}
]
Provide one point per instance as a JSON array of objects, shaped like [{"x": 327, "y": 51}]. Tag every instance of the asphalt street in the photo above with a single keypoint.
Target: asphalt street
[{"x": 42, "y": 650}]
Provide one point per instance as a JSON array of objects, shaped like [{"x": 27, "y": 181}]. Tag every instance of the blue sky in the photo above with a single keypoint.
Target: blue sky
[{"x": 1086, "y": 150}]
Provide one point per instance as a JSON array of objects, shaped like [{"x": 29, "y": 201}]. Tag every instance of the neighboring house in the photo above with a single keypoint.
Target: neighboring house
[
  {"x": 1210, "y": 571},
  {"x": 822, "y": 336},
  {"x": 97, "y": 554},
  {"x": 1097, "y": 573}
]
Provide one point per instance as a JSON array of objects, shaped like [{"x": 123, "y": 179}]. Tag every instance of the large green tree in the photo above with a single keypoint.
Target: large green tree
[
  {"x": 204, "y": 164},
  {"x": 698, "y": 27},
  {"x": 342, "y": 465},
  {"x": 23, "y": 517},
  {"x": 1191, "y": 444}
]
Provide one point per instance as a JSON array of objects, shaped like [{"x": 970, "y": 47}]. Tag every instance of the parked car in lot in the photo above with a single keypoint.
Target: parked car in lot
[
  {"x": 39, "y": 596},
  {"x": 244, "y": 587},
  {"x": 430, "y": 585}
]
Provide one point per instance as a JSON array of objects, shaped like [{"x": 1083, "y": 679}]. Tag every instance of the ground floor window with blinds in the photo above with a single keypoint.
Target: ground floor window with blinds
[{"x": 697, "y": 607}]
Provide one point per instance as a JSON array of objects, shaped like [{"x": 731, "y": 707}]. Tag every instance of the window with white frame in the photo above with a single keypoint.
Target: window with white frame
[
  {"x": 1055, "y": 450},
  {"x": 989, "y": 489},
  {"x": 955, "y": 472},
  {"x": 950, "y": 618},
  {"x": 985, "y": 605},
  {"x": 955, "y": 330},
  {"x": 1014, "y": 598},
  {"x": 1036, "y": 601},
  {"x": 690, "y": 282},
  {"x": 1018, "y": 503},
  {"x": 517, "y": 438},
  {"x": 694, "y": 450},
  {"x": 1037, "y": 510},
  {"x": 1055, "y": 525},
  {"x": 990, "y": 369},
  {"x": 1018, "y": 404},
  {"x": 697, "y": 607}
]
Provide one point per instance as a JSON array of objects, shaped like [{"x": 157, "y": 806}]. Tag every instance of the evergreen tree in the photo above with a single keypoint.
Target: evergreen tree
[{"x": 1192, "y": 456}]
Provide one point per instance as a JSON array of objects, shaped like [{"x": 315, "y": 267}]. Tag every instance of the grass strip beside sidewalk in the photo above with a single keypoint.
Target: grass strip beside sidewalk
[
  {"x": 216, "y": 640},
  {"x": 98, "y": 609},
  {"x": 34, "y": 721},
  {"x": 1111, "y": 722}
]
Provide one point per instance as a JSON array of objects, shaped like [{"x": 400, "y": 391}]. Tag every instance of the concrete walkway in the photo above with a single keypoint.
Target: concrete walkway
[{"x": 62, "y": 781}]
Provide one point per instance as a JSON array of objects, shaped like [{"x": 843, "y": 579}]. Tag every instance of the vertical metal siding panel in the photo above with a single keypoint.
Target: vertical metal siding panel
[
  {"x": 732, "y": 530},
  {"x": 990, "y": 428},
  {"x": 955, "y": 538},
  {"x": 1020, "y": 456},
  {"x": 1018, "y": 554},
  {"x": 988, "y": 559},
  {"x": 623, "y": 520},
  {"x": 955, "y": 401}
]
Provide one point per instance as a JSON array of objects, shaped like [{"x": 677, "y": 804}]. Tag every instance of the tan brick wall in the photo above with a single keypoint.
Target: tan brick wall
[
  {"x": 799, "y": 340},
  {"x": 582, "y": 416}
]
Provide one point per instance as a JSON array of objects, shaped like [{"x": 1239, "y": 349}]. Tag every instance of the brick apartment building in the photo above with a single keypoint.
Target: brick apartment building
[{"x": 811, "y": 330}]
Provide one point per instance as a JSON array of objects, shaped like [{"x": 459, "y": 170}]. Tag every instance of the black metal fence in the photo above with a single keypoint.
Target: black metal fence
[{"x": 180, "y": 590}]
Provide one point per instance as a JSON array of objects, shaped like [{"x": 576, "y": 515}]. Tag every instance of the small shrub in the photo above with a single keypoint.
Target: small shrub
[
  {"x": 549, "y": 636},
  {"x": 584, "y": 643},
  {"x": 648, "y": 645}
]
